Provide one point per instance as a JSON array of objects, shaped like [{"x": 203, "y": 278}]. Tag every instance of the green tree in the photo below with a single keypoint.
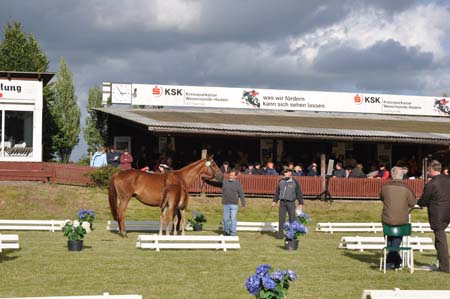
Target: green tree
[
  {"x": 20, "y": 52},
  {"x": 95, "y": 127},
  {"x": 66, "y": 113}
]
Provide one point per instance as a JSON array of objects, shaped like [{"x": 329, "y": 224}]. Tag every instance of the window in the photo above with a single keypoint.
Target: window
[{"x": 18, "y": 133}]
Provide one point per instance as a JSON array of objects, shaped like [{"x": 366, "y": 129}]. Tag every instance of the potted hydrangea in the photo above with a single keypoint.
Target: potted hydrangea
[
  {"x": 86, "y": 215},
  {"x": 292, "y": 230},
  {"x": 196, "y": 221},
  {"x": 269, "y": 285},
  {"x": 303, "y": 218},
  {"x": 75, "y": 231}
]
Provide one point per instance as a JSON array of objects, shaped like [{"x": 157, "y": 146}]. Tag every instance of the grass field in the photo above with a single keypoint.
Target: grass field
[{"x": 108, "y": 263}]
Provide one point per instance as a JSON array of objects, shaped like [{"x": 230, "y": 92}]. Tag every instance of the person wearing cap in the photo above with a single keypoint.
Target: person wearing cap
[{"x": 287, "y": 192}]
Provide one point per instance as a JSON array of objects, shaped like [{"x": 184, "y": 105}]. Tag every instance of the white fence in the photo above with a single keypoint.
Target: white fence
[
  {"x": 159, "y": 242},
  {"x": 255, "y": 226},
  {"x": 9, "y": 242},
  {"x": 369, "y": 227},
  {"x": 104, "y": 296},
  {"x": 49, "y": 225},
  {"x": 377, "y": 243},
  {"x": 405, "y": 294},
  {"x": 142, "y": 226}
]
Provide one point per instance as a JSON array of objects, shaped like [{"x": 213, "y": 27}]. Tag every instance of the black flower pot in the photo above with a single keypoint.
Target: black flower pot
[
  {"x": 290, "y": 244},
  {"x": 75, "y": 245},
  {"x": 198, "y": 227}
]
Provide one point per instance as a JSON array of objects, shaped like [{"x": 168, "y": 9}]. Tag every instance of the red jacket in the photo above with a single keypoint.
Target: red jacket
[
  {"x": 383, "y": 174},
  {"x": 125, "y": 161}
]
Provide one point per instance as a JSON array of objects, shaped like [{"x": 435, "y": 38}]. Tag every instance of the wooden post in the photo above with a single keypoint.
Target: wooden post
[
  {"x": 323, "y": 170},
  {"x": 204, "y": 154}
]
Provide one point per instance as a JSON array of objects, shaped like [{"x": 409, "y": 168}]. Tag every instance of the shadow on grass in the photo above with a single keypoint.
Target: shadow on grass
[
  {"x": 373, "y": 258},
  {"x": 5, "y": 258},
  {"x": 370, "y": 258}
]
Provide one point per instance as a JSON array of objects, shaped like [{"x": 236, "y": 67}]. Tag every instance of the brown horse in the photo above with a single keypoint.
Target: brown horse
[{"x": 169, "y": 191}]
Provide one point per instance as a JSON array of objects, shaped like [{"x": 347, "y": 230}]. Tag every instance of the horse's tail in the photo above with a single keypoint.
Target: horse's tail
[{"x": 113, "y": 197}]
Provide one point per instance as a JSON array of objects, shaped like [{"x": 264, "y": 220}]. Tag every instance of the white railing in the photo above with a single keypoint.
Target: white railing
[
  {"x": 49, "y": 225},
  {"x": 158, "y": 242},
  {"x": 9, "y": 242}
]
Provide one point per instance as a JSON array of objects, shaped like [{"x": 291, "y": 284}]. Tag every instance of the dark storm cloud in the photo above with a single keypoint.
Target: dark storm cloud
[{"x": 382, "y": 56}]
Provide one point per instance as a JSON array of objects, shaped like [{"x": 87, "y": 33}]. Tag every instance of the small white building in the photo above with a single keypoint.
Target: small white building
[{"x": 21, "y": 104}]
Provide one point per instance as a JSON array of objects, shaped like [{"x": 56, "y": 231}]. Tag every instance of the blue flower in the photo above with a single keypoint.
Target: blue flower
[
  {"x": 268, "y": 283},
  {"x": 263, "y": 269},
  {"x": 252, "y": 284},
  {"x": 277, "y": 275},
  {"x": 292, "y": 275}
]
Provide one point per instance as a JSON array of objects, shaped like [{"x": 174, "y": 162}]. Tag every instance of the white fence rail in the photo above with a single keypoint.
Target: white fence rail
[
  {"x": 377, "y": 243},
  {"x": 49, "y": 225},
  {"x": 369, "y": 227},
  {"x": 104, "y": 296},
  {"x": 159, "y": 242},
  {"x": 405, "y": 294},
  {"x": 251, "y": 226},
  {"x": 153, "y": 226},
  {"x": 9, "y": 242}
]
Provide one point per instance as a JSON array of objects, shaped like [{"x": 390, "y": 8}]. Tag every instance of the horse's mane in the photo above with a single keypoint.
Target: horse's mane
[{"x": 189, "y": 166}]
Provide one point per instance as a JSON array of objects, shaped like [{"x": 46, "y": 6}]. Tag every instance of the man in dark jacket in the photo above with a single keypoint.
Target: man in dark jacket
[
  {"x": 397, "y": 198},
  {"x": 287, "y": 191},
  {"x": 231, "y": 192},
  {"x": 113, "y": 157},
  {"x": 436, "y": 197}
]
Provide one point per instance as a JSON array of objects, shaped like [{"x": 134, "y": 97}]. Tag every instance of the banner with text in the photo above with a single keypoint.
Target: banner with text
[{"x": 223, "y": 97}]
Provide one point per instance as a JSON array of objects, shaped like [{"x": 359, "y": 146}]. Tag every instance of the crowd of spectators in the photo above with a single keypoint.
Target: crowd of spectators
[{"x": 344, "y": 167}]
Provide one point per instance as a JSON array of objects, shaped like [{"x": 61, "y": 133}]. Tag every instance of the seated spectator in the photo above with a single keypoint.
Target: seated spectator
[
  {"x": 312, "y": 170},
  {"x": 357, "y": 172},
  {"x": 270, "y": 170},
  {"x": 339, "y": 172},
  {"x": 99, "y": 158},
  {"x": 382, "y": 173},
  {"x": 290, "y": 165},
  {"x": 249, "y": 169},
  {"x": 298, "y": 171},
  {"x": 225, "y": 167},
  {"x": 257, "y": 169}
]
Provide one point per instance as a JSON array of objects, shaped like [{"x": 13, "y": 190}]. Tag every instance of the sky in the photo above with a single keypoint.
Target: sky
[{"x": 384, "y": 46}]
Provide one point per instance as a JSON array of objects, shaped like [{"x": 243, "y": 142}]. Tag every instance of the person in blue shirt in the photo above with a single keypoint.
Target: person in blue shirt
[
  {"x": 99, "y": 158},
  {"x": 270, "y": 170}
]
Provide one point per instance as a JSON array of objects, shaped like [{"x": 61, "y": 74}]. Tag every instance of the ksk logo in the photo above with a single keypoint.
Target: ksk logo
[
  {"x": 157, "y": 91},
  {"x": 358, "y": 99}
]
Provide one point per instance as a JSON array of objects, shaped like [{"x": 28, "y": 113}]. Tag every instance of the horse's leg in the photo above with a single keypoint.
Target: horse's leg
[
  {"x": 176, "y": 220},
  {"x": 183, "y": 221},
  {"x": 168, "y": 218},
  {"x": 161, "y": 220},
  {"x": 124, "y": 200}
]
